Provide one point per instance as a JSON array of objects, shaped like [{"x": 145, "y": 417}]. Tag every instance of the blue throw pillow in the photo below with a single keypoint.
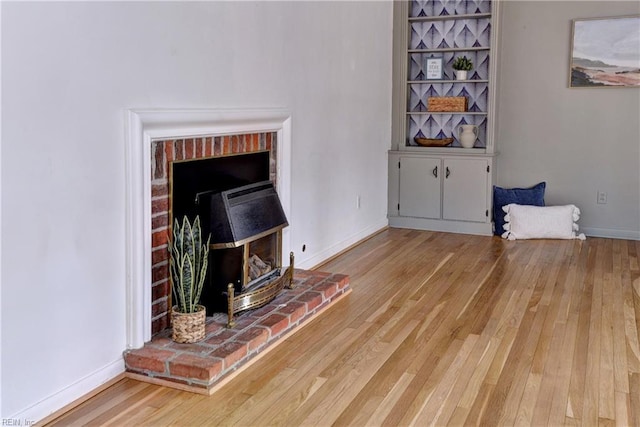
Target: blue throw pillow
[{"x": 533, "y": 196}]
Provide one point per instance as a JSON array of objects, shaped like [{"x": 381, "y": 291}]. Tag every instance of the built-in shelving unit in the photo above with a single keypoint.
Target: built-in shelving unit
[
  {"x": 447, "y": 30},
  {"x": 426, "y": 187}
]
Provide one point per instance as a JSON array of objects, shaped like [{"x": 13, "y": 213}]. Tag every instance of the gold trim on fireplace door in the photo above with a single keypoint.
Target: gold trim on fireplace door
[
  {"x": 260, "y": 296},
  {"x": 242, "y": 242}
]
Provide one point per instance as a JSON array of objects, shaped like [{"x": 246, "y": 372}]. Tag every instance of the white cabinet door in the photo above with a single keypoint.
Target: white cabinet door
[
  {"x": 465, "y": 190},
  {"x": 420, "y": 187}
]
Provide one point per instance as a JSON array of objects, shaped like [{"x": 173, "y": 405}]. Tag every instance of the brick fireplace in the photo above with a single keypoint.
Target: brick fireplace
[
  {"x": 163, "y": 153},
  {"x": 155, "y": 138}
]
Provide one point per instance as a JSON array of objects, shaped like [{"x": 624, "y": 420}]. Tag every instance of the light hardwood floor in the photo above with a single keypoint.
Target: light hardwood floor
[{"x": 440, "y": 329}]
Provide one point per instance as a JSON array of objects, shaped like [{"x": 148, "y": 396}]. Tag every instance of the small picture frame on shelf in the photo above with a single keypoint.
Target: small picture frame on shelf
[{"x": 433, "y": 68}]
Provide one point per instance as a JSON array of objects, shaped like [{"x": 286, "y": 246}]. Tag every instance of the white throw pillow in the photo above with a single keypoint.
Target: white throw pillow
[{"x": 541, "y": 222}]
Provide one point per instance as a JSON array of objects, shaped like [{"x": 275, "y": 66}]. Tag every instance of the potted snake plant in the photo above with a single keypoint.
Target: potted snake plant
[{"x": 188, "y": 266}]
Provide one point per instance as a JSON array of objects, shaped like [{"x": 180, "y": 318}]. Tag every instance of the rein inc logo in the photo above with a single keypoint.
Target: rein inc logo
[{"x": 16, "y": 422}]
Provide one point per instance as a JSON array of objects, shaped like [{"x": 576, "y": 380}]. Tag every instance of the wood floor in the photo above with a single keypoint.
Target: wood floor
[{"x": 440, "y": 329}]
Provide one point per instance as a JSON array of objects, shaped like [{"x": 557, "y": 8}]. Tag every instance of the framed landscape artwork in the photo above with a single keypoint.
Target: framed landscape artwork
[{"x": 605, "y": 52}]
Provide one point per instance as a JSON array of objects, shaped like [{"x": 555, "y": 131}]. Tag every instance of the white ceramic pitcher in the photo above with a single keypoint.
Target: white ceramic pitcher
[{"x": 467, "y": 135}]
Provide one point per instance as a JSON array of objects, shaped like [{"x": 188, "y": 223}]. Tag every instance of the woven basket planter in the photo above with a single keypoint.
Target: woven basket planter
[{"x": 188, "y": 327}]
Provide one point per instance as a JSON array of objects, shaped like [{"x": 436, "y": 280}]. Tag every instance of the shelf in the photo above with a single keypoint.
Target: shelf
[
  {"x": 415, "y": 82},
  {"x": 449, "y": 151},
  {"x": 449, "y": 49},
  {"x": 460, "y": 113},
  {"x": 449, "y": 17}
]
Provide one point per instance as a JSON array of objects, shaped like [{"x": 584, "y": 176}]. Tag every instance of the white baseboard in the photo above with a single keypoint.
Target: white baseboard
[
  {"x": 340, "y": 246},
  {"x": 56, "y": 401},
  {"x": 611, "y": 233},
  {"x": 478, "y": 228}
]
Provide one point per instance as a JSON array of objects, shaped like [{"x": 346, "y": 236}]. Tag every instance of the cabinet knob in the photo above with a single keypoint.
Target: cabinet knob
[
  {"x": 447, "y": 173},
  {"x": 435, "y": 171}
]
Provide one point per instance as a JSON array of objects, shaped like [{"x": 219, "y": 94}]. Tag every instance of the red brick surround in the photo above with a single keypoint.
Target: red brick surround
[
  {"x": 202, "y": 366},
  {"x": 163, "y": 153}
]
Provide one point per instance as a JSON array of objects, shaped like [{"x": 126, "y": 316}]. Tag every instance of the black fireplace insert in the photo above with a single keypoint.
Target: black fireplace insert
[{"x": 241, "y": 210}]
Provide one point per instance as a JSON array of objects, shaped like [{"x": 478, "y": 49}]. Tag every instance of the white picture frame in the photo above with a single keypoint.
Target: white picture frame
[{"x": 433, "y": 69}]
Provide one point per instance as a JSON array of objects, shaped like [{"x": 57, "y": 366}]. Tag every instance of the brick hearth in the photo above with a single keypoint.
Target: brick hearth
[{"x": 202, "y": 366}]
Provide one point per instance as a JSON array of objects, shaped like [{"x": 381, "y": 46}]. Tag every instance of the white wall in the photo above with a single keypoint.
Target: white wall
[
  {"x": 580, "y": 141},
  {"x": 69, "y": 70}
]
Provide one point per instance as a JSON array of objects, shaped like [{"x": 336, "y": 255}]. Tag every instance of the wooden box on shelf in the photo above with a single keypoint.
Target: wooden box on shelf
[{"x": 442, "y": 104}]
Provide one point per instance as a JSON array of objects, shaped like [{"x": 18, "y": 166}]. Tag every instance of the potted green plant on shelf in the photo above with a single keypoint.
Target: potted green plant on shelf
[
  {"x": 188, "y": 266},
  {"x": 462, "y": 65}
]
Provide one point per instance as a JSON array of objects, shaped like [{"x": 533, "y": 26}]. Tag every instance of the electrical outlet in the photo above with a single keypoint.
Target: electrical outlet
[{"x": 602, "y": 197}]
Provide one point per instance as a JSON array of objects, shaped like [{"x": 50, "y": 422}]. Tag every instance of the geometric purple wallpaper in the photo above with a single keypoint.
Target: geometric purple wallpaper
[{"x": 464, "y": 33}]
